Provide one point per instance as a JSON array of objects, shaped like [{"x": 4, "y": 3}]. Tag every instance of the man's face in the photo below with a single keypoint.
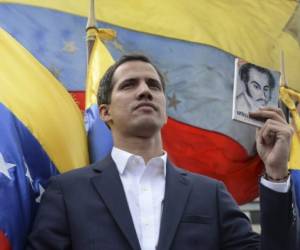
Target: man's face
[
  {"x": 138, "y": 104},
  {"x": 258, "y": 87}
]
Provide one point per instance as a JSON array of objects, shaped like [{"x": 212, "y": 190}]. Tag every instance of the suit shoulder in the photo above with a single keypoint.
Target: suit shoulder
[
  {"x": 74, "y": 176},
  {"x": 199, "y": 179}
]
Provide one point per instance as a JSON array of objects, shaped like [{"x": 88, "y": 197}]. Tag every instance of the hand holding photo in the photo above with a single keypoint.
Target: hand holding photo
[{"x": 254, "y": 87}]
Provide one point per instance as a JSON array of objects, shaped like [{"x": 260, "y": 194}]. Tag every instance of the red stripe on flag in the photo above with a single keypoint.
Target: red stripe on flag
[
  {"x": 215, "y": 155},
  {"x": 4, "y": 243},
  {"x": 79, "y": 98}
]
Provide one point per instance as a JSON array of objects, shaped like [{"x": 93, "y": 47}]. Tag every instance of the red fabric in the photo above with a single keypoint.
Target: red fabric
[
  {"x": 216, "y": 155},
  {"x": 4, "y": 243},
  {"x": 79, "y": 97}
]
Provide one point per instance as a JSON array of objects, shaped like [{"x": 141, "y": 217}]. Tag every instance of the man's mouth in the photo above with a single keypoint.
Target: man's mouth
[{"x": 146, "y": 105}]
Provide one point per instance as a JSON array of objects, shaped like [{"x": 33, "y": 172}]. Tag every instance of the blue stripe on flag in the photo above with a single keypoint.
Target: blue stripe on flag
[
  {"x": 296, "y": 182},
  {"x": 55, "y": 38},
  {"x": 24, "y": 171},
  {"x": 198, "y": 84},
  {"x": 99, "y": 136}
]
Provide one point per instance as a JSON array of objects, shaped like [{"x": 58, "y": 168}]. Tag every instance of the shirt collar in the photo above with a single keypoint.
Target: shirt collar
[{"x": 121, "y": 158}]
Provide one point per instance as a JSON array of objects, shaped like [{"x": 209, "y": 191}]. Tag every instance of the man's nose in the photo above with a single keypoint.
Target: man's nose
[
  {"x": 266, "y": 94},
  {"x": 144, "y": 92},
  {"x": 261, "y": 94}
]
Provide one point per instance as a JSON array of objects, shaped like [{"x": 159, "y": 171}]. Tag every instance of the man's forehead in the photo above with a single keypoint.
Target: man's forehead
[
  {"x": 133, "y": 69},
  {"x": 260, "y": 77}
]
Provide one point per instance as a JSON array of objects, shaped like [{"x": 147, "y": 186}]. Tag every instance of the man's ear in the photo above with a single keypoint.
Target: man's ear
[{"x": 104, "y": 112}]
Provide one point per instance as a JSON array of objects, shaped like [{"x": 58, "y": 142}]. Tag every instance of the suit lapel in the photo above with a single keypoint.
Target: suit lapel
[
  {"x": 176, "y": 194},
  {"x": 108, "y": 184}
]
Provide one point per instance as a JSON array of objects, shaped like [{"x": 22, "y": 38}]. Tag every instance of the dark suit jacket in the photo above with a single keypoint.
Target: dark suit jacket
[{"x": 87, "y": 209}]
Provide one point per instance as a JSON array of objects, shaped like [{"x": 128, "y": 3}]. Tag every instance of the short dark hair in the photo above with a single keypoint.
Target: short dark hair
[
  {"x": 244, "y": 73},
  {"x": 106, "y": 85}
]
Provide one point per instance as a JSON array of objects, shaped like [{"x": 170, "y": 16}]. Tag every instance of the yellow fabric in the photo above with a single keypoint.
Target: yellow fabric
[
  {"x": 99, "y": 62},
  {"x": 42, "y": 104},
  {"x": 286, "y": 96},
  {"x": 250, "y": 29}
]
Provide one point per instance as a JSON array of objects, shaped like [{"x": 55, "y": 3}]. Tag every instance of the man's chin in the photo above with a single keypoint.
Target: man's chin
[{"x": 146, "y": 128}]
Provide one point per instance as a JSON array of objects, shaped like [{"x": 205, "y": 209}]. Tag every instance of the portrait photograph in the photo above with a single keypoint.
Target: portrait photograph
[{"x": 254, "y": 87}]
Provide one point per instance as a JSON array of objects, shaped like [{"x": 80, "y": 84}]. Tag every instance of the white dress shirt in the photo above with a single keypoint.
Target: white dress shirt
[
  {"x": 281, "y": 187},
  {"x": 144, "y": 186}
]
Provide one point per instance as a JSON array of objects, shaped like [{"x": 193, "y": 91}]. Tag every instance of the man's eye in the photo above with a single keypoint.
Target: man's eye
[
  {"x": 153, "y": 84},
  {"x": 127, "y": 84},
  {"x": 256, "y": 85}
]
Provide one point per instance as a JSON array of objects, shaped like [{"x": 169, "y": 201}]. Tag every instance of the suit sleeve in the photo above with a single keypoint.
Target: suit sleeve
[
  {"x": 279, "y": 220},
  {"x": 50, "y": 229},
  {"x": 235, "y": 228}
]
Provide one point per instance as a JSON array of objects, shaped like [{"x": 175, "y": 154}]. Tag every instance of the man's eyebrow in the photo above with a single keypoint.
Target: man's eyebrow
[
  {"x": 146, "y": 78},
  {"x": 154, "y": 79},
  {"x": 129, "y": 79},
  {"x": 256, "y": 82}
]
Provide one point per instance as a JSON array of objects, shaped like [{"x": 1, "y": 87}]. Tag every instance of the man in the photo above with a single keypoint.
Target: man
[
  {"x": 137, "y": 199},
  {"x": 257, "y": 84}
]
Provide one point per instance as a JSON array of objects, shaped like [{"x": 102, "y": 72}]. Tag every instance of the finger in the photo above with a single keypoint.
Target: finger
[
  {"x": 274, "y": 109},
  {"x": 271, "y": 108},
  {"x": 280, "y": 127},
  {"x": 258, "y": 136},
  {"x": 273, "y": 130},
  {"x": 279, "y": 111},
  {"x": 269, "y": 135},
  {"x": 269, "y": 113}
]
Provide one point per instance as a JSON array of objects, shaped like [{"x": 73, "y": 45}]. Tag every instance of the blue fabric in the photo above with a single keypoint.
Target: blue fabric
[
  {"x": 29, "y": 169},
  {"x": 99, "y": 135},
  {"x": 56, "y": 39},
  {"x": 200, "y": 83},
  {"x": 296, "y": 182}
]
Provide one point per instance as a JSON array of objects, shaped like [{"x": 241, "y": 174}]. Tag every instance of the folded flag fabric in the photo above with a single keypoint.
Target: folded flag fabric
[
  {"x": 289, "y": 97},
  {"x": 196, "y": 56},
  {"x": 99, "y": 136},
  {"x": 42, "y": 134}
]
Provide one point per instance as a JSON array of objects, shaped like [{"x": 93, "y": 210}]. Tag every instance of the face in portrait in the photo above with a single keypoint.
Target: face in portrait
[
  {"x": 257, "y": 84},
  {"x": 258, "y": 87}
]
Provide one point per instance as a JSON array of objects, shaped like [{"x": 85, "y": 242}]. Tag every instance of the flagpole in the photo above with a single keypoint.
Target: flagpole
[
  {"x": 90, "y": 27},
  {"x": 283, "y": 83}
]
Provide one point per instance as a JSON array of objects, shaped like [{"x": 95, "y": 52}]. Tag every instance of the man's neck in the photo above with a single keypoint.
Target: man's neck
[{"x": 144, "y": 147}]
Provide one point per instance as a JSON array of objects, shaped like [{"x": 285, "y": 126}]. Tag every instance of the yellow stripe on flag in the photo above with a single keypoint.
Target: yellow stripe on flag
[
  {"x": 287, "y": 96},
  {"x": 41, "y": 103},
  {"x": 250, "y": 29},
  {"x": 100, "y": 61}
]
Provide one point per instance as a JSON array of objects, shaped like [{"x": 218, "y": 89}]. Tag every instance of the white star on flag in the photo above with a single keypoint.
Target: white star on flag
[
  {"x": 38, "y": 199},
  {"x": 4, "y": 166},
  {"x": 27, "y": 173}
]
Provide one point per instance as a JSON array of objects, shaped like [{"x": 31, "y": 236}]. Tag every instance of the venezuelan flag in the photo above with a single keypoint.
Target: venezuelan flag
[
  {"x": 99, "y": 136},
  {"x": 42, "y": 134},
  {"x": 289, "y": 96},
  {"x": 196, "y": 55}
]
